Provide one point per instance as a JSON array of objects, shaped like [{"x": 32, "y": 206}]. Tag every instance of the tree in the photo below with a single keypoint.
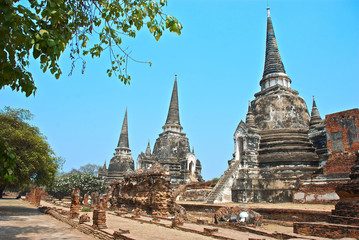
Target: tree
[
  {"x": 44, "y": 28},
  {"x": 26, "y": 157},
  {"x": 91, "y": 169},
  {"x": 85, "y": 182}
]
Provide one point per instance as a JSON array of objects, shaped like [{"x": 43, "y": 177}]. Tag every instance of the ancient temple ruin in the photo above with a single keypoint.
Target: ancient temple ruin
[
  {"x": 172, "y": 149},
  {"x": 148, "y": 190},
  {"x": 122, "y": 162},
  {"x": 272, "y": 147},
  {"x": 336, "y": 139}
]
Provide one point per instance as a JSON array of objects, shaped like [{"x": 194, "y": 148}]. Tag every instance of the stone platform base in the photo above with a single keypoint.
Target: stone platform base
[
  {"x": 327, "y": 230},
  {"x": 344, "y": 220}
]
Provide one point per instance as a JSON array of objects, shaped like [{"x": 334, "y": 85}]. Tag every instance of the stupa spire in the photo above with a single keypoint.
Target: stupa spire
[
  {"x": 173, "y": 120},
  {"x": 148, "y": 149},
  {"x": 315, "y": 116},
  {"x": 250, "y": 117},
  {"x": 274, "y": 72},
  {"x": 173, "y": 112},
  {"x": 105, "y": 165},
  {"x": 123, "y": 142}
]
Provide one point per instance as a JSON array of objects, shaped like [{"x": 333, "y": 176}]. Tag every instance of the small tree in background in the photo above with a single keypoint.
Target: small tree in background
[{"x": 91, "y": 169}]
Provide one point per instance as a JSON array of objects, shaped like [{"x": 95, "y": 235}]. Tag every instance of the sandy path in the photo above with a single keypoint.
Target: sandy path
[{"x": 20, "y": 220}]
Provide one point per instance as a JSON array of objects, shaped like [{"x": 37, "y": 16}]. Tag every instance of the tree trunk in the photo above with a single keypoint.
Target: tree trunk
[{"x": 2, "y": 188}]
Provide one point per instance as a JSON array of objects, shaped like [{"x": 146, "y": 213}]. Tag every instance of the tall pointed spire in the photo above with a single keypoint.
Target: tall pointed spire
[
  {"x": 250, "y": 117},
  {"x": 273, "y": 61},
  {"x": 314, "y": 116},
  {"x": 173, "y": 120},
  {"x": 123, "y": 142},
  {"x": 148, "y": 149},
  {"x": 274, "y": 70},
  {"x": 173, "y": 112},
  {"x": 105, "y": 165}
]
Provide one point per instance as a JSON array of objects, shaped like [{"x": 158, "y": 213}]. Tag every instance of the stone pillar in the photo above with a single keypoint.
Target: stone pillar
[
  {"x": 99, "y": 219},
  {"x": 85, "y": 202},
  {"x": 75, "y": 202},
  {"x": 37, "y": 196},
  {"x": 31, "y": 196}
]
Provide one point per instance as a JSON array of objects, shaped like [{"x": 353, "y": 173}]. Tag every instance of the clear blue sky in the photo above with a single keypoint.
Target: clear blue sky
[{"x": 219, "y": 60}]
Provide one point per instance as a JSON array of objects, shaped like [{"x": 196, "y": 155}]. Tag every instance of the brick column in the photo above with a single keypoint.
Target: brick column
[
  {"x": 75, "y": 202},
  {"x": 99, "y": 219},
  {"x": 37, "y": 196}
]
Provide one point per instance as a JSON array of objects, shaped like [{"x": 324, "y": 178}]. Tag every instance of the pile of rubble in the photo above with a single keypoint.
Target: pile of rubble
[{"x": 239, "y": 215}]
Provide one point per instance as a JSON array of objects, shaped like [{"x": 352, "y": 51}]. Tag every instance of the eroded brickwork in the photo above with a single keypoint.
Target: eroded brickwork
[
  {"x": 345, "y": 217},
  {"x": 145, "y": 190},
  {"x": 99, "y": 219},
  {"x": 75, "y": 203},
  {"x": 343, "y": 140},
  {"x": 34, "y": 196}
]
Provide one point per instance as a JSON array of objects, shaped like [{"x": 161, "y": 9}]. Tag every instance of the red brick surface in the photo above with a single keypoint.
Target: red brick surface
[
  {"x": 333, "y": 231},
  {"x": 341, "y": 161}
]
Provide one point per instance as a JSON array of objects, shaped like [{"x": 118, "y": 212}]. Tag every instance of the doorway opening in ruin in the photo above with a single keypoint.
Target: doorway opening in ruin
[{"x": 239, "y": 147}]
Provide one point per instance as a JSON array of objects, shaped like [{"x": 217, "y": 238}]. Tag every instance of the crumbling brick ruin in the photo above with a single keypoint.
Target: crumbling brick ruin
[
  {"x": 147, "y": 190},
  {"x": 344, "y": 221},
  {"x": 194, "y": 191},
  {"x": 75, "y": 203},
  {"x": 34, "y": 196},
  {"x": 99, "y": 219},
  {"x": 341, "y": 138}
]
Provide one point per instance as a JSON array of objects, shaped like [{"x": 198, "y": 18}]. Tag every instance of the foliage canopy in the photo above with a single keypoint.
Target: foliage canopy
[
  {"x": 85, "y": 182},
  {"x": 26, "y": 157},
  {"x": 44, "y": 28}
]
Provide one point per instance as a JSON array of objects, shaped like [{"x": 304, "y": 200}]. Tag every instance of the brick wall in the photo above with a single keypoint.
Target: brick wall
[
  {"x": 328, "y": 230},
  {"x": 321, "y": 193},
  {"x": 343, "y": 140},
  {"x": 292, "y": 215}
]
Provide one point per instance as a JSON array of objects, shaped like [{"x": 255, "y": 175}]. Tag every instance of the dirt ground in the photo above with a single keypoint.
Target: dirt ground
[{"x": 20, "y": 220}]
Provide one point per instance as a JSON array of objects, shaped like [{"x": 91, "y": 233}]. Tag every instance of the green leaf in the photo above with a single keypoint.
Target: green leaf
[
  {"x": 43, "y": 33},
  {"x": 51, "y": 42}
]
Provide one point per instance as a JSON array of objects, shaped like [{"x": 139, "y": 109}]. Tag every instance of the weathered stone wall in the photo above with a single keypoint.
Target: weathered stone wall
[
  {"x": 317, "y": 193},
  {"x": 147, "y": 190},
  {"x": 342, "y": 136},
  {"x": 343, "y": 140},
  {"x": 196, "y": 191},
  {"x": 328, "y": 230},
  {"x": 291, "y": 215},
  {"x": 280, "y": 110}
]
